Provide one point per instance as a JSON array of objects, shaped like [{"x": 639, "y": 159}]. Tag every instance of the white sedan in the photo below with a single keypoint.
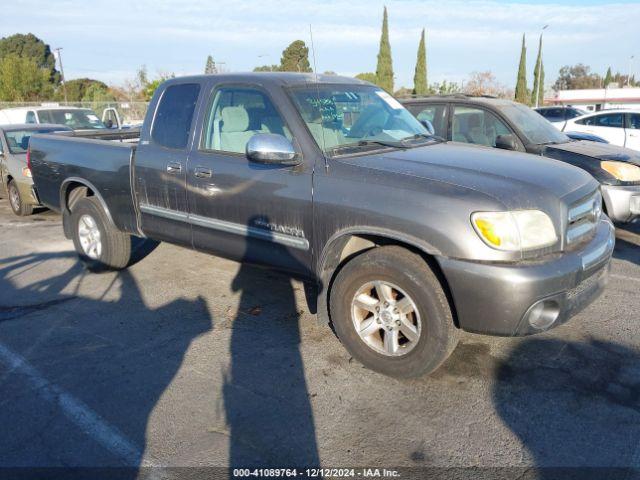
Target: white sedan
[{"x": 618, "y": 127}]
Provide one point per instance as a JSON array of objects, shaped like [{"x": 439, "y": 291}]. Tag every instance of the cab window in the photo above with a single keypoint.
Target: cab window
[
  {"x": 477, "y": 126},
  {"x": 235, "y": 115},
  {"x": 633, "y": 121},
  {"x": 434, "y": 114},
  {"x": 172, "y": 122},
  {"x": 612, "y": 120},
  {"x": 31, "y": 117}
]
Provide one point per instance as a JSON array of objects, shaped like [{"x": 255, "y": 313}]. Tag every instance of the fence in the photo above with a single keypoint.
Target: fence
[{"x": 131, "y": 113}]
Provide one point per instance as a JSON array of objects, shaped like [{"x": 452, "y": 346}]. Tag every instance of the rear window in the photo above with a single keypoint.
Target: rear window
[{"x": 172, "y": 123}]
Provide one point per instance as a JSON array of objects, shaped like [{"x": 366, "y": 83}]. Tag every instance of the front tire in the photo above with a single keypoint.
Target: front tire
[
  {"x": 16, "y": 201},
  {"x": 98, "y": 243},
  {"x": 391, "y": 313}
]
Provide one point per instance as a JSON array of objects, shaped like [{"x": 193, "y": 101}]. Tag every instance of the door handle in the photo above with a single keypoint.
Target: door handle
[
  {"x": 202, "y": 172},
  {"x": 174, "y": 167}
]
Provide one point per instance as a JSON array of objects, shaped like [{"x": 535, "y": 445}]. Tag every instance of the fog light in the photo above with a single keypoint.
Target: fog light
[{"x": 542, "y": 314}]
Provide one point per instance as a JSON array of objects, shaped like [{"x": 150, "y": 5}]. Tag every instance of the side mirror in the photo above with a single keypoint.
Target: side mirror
[
  {"x": 506, "y": 142},
  {"x": 429, "y": 126},
  {"x": 272, "y": 149}
]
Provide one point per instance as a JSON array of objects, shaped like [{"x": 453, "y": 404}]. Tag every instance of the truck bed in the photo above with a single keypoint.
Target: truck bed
[{"x": 60, "y": 160}]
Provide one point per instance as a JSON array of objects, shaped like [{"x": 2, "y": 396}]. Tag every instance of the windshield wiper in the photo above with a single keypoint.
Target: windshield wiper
[
  {"x": 426, "y": 136},
  {"x": 365, "y": 143}
]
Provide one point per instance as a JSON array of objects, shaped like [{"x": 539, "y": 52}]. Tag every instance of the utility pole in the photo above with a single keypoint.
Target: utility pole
[
  {"x": 629, "y": 76},
  {"x": 540, "y": 69},
  {"x": 64, "y": 83}
]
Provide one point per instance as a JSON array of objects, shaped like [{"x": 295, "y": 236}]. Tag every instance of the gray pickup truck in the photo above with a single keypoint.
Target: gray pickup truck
[{"x": 408, "y": 239}]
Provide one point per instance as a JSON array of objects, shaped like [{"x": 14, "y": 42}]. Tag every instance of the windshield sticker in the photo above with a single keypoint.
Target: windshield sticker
[
  {"x": 92, "y": 118},
  {"x": 389, "y": 100}
]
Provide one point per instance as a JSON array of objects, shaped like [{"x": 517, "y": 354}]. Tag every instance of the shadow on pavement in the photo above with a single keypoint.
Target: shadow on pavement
[
  {"x": 572, "y": 405},
  {"x": 266, "y": 399}
]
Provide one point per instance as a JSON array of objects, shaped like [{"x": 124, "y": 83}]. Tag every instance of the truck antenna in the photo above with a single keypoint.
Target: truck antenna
[{"x": 315, "y": 72}]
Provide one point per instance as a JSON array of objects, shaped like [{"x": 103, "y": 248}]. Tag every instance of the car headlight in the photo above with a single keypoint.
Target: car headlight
[
  {"x": 622, "y": 171},
  {"x": 514, "y": 231}
]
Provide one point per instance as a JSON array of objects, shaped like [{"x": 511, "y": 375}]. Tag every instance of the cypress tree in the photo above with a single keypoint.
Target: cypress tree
[
  {"x": 210, "y": 66},
  {"x": 384, "y": 70},
  {"x": 608, "y": 77},
  {"x": 537, "y": 94},
  {"x": 420, "y": 76},
  {"x": 521, "y": 84}
]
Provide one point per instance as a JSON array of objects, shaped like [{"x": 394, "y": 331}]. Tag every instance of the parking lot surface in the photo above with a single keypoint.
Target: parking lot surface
[{"x": 190, "y": 360}]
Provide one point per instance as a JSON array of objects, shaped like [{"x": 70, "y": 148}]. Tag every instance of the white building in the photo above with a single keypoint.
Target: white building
[{"x": 598, "y": 99}]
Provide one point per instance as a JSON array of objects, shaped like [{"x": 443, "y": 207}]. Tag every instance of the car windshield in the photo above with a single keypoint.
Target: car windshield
[
  {"x": 534, "y": 127},
  {"x": 18, "y": 140},
  {"x": 76, "y": 119},
  {"x": 348, "y": 118}
]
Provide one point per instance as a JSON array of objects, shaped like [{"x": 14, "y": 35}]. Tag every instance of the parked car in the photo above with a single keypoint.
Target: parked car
[
  {"x": 585, "y": 136},
  {"x": 559, "y": 115},
  {"x": 15, "y": 175},
  {"x": 73, "y": 117},
  {"x": 618, "y": 127},
  {"x": 407, "y": 238},
  {"x": 509, "y": 125}
]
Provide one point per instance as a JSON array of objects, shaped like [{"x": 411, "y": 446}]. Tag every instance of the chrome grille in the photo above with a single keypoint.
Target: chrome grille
[{"x": 583, "y": 218}]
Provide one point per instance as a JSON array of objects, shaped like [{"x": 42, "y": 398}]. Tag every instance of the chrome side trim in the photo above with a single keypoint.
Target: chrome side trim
[{"x": 228, "y": 227}]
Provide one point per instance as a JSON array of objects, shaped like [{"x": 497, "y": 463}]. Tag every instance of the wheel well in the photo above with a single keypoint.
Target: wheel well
[
  {"x": 351, "y": 246},
  {"x": 73, "y": 192}
]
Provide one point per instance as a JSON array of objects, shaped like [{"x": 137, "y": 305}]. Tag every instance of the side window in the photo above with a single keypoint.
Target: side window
[
  {"x": 31, "y": 117},
  {"x": 477, "y": 126},
  {"x": 435, "y": 114},
  {"x": 172, "y": 123},
  {"x": 613, "y": 120},
  {"x": 235, "y": 115},
  {"x": 633, "y": 121}
]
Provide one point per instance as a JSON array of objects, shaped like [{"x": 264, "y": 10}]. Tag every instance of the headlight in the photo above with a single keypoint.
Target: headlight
[
  {"x": 515, "y": 231},
  {"x": 622, "y": 171}
]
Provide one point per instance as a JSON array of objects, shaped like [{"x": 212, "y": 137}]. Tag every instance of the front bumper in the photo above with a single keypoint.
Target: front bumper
[
  {"x": 623, "y": 202},
  {"x": 27, "y": 192},
  {"x": 521, "y": 299}
]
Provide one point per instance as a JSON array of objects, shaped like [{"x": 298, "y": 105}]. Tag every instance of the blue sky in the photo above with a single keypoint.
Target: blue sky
[{"x": 110, "y": 39}]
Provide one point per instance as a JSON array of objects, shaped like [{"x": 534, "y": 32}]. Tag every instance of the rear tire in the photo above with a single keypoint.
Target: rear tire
[
  {"x": 99, "y": 244},
  {"x": 391, "y": 313},
  {"x": 16, "y": 201}
]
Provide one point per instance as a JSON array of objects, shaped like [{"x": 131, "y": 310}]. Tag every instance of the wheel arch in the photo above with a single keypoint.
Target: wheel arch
[
  {"x": 68, "y": 199},
  {"x": 346, "y": 245}
]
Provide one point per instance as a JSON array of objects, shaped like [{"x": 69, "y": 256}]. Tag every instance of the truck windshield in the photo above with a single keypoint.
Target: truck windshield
[
  {"x": 343, "y": 118},
  {"x": 77, "y": 119},
  {"x": 18, "y": 140},
  {"x": 534, "y": 127}
]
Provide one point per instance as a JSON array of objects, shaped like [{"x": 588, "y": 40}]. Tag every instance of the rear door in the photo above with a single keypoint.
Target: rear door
[
  {"x": 609, "y": 126},
  {"x": 632, "y": 130},
  {"x": 240, "y": 209},
  {"x": 161, "y": 165}
]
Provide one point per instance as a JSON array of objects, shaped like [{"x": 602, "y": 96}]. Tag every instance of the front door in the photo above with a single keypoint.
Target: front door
[
  {"x": 609, "y": 126},
  {"x": 161, "y": 166},
  {"x": 240, "y": 209},
  {"x": 632, "y": 131}
]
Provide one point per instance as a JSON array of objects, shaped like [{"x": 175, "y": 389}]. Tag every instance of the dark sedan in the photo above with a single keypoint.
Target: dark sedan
[{"x": 493, "y": 122}]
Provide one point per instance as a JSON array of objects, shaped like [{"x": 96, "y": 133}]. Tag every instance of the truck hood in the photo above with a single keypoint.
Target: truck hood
[
  {"x": 517, "y": 180},
  {"x": 596, "y": 150}
]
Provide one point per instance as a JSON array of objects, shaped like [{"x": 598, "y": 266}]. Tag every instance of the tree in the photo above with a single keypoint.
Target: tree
[
  {"x": 403, "y": 92},
  {"x": 77, "y": 89},
  {"x": 31, "y": 47},
  {"x": 420, "y": 86},
  {"x": 485, "y": 83},
  {"x": 537, "y": 94},
  {"x": 444, "y": 88},
  {"x": 608, "y": 78},
  {"x": 22, "y": 80},
  {"x": 577, "y": 77},
  {"x": 384, "y": 69},
  {"x": 97, "y": 92},
  {"x": 267, "y": 68},
  {"x": 522, "y": 95},
  {"x": 210, "y": 67},
  {"x": 367, "y": 77},
  {"x": 295, "y": 58}
]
